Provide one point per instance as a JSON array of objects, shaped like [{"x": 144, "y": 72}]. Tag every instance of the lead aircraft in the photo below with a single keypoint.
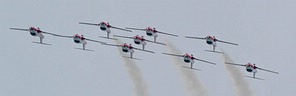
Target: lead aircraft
[
  {"x": 251, "y": 68},
  {"x": 35, "y": 31},
  {"x": 189, "y": 58}
]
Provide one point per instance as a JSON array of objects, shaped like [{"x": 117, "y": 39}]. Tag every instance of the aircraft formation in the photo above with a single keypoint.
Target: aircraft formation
[{"x": 140, "y": 40}]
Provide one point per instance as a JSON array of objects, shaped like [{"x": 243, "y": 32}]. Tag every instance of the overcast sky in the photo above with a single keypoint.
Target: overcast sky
[{"x": 264, "y": 29}]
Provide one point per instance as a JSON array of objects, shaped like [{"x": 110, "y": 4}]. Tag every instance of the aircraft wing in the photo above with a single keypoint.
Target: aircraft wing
[
  {"x": 62, "y": 36},
  {"x": 89, "y": 23},
  {"x": 234, "y": 64},
  {"x": 19, "y": 29},
  {"x": 123, "y": 37},
  {"x": 121, "y": 29},
  {"x": 268, "y": 70},
  {"x": 156, "y": 42},
  {"x": 95, "y": 41},
  {"x": 135, "y": 29},
  {"x": 168, "y": 34},
  {"x": 173, "y": 54},
  {"x": 195, "y": 37},
  {"x": 112, "y": 45},
  {"x": 49, "y": 33},
  {"x": 144, "y": 50},
  {"x": 227, "y": 42},
  {"x": 205, "y": 61}
]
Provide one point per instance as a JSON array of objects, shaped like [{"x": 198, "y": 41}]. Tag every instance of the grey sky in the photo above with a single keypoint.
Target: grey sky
[{"x": 264, "y": 29}]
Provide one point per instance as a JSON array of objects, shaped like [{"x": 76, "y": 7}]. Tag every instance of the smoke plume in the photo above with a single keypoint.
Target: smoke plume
[
  {"x": 192, "y": 84},
  {"x": 135, "y": 74},
  {"x": 241, "y": 85}
]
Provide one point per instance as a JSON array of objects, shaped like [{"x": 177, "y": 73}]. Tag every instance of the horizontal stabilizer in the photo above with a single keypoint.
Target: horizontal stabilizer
[
  {"x": 131, "y": 58},
  {"x": 192, "y": 68},
  {"x": 85, "y": 49},
  {"x": 108, "y": 38},
  {"x": 214, "y": 51},
  {"x": 254, "y": 78},
  {"x": 41, "y": 43}
]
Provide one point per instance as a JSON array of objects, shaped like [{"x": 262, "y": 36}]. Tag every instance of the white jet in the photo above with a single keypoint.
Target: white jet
[
  {"x": 79, "y": 39},
  {"x": 139, "y": 40},
  {"x": 105, "y": 26},
  {"x": 189, "y": 58},
  {"x": 34, "y": 31},
  {"x": 152, "y": 32},
  {"x": 211, "y": 40},
  {"x": 128, "y": 48},
  {"x": 251, "y": 68}
]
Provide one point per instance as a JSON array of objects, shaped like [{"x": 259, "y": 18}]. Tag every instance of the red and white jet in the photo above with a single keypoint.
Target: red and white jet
[
  {"x": 79, "y": 39},
  {"x": 128, "y": 48},
  {"x": 211, "y": 40},
  {"x": 152, "y": 32},
  {"x": 34, "y": 31},
  {"x": 139, "y": 40},
  {"x": 189, "y": 58},
  {"x": 105, "y": 26},
  {"x": 251, "y": 68}
]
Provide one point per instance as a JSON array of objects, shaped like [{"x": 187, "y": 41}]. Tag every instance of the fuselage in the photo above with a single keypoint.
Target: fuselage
[
  {"x": 188, "y": 58},
  {"x": 127, "y": 48},
  {"x": 211, "y": 40},
  {"x": 35, "y": 31},
  {"x": 251, "y": 68},
  {"x": 139, "y": 40},
  {"x": 79, "y": 39},
  {"x": 105, "y": 26},
  {"x": 151, "y": 31}
]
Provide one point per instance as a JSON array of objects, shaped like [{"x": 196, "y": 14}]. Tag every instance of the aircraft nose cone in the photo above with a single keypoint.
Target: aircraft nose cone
[
  {"x": 209, "y": 42},
  {"x": 103, "y": 28}
]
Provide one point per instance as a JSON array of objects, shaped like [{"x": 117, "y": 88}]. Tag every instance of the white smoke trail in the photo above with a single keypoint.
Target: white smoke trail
[
  {"x": 242, "y": 86},
  {"x": 193, "y": 85},
  {"x": 135, "y": 74}
]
